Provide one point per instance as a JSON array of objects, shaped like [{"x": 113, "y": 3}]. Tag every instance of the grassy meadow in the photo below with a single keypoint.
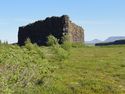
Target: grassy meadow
[{"x": 62, "y": 69}]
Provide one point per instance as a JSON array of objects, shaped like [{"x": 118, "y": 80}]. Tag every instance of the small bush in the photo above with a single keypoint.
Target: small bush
[
  {"x": 28, "y": 44},
  {"x": 52, "y": 40},
  {"x": 66, "y": 42},
  {"x": 66, "y": 45},
  {"x": 78, "y": 45},
  {"x": 60, "y": 53},
  {"x": 66, "y": 38}
]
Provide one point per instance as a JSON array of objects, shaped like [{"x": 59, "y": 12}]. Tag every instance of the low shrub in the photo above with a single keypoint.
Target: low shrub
[
  {"x": 66, "y": 45},
  {"x": 52, "y": 40},
  {"x": 78, "y": 45},
  {"x": 60, "y": 53}
]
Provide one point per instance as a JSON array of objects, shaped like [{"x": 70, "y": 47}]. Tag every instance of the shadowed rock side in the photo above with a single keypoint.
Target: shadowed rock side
[{"x": 57, "y": 26}]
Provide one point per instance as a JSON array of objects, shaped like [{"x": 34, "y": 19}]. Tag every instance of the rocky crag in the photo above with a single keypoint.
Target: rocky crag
[{"x": 57, "y": 26}]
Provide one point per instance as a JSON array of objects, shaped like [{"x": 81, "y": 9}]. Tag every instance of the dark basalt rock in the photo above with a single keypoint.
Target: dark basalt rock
[{"x": 57, "y": 26}]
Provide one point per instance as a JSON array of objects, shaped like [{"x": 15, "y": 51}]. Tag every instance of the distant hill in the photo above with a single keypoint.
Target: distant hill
[
  {"x": 114, "y": 38},
  {"x": 93, "y": 41},
  {"x": 117, "y": 42},
  {"x": 108, "y": 41}
]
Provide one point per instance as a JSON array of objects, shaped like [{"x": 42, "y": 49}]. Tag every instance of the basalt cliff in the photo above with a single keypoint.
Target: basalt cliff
[{"x": 38, "y": 31}]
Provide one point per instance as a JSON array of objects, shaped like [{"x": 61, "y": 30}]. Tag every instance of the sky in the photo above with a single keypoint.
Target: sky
[{"x": 100, "y": 18}]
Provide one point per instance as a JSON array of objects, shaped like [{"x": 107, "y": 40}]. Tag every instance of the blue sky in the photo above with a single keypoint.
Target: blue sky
[{"x": 99, "y": 18}]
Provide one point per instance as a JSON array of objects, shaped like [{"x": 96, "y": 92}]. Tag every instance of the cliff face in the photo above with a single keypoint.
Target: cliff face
[
  {"x": 76, "y": 32},
  {"x": 57, "y": 26}
]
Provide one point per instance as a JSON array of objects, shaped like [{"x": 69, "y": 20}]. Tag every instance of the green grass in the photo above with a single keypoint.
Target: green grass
[{"x": 53, "y": 70}]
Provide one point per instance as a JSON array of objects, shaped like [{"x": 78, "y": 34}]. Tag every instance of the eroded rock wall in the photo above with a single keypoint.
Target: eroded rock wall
[
  {"x": 76, "y": 32},
  {"x": 57, "y": 26}
]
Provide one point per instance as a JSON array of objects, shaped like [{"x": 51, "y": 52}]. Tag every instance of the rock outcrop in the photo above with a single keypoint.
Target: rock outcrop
[{"x": 57, "y": 26}]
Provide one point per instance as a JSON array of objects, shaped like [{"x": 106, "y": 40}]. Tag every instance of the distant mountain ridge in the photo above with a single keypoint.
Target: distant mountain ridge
[
  {"x": 114, "y": 38},
  {"x": 110, "y": 39},
  {"x": 117, "y": 40},
  {"x": 94, "y": 41}
]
